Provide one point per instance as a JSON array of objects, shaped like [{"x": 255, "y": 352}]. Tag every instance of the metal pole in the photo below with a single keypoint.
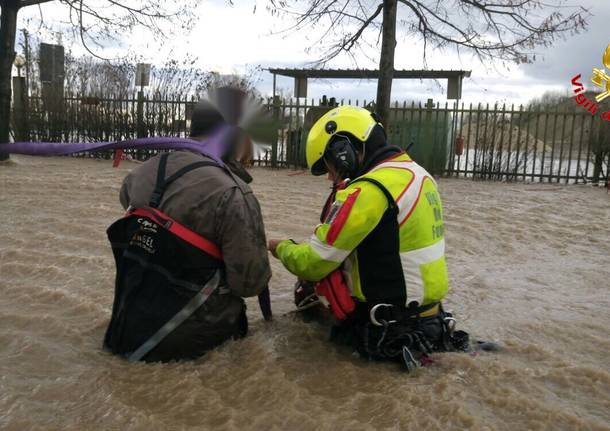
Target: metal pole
[
  {"x": 140, "y": 114},
  {"x": 26, "y": 49},
  {"x": 276, "y": 117}
]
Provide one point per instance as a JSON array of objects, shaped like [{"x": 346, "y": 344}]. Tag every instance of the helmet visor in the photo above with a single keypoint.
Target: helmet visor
[{"x": 319, "y": 167}]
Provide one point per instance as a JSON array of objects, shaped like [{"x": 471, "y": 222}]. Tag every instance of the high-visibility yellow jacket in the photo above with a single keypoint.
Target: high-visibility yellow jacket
[{"x": 390, "y": 251}]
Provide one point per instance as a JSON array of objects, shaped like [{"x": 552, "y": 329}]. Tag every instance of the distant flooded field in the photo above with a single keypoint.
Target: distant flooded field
[{"x": 529, "y": 267}]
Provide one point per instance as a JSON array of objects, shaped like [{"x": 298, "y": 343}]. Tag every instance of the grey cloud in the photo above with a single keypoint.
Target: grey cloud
[{"x": 579, "y": 53}]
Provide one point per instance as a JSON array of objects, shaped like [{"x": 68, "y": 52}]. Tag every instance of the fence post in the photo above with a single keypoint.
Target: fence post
[
  {"x": 140, "y": 116},
  {"x": 600, "y": 144},
  {"x": 428, "y": 150},
  {"x": 276, "y": 117}
]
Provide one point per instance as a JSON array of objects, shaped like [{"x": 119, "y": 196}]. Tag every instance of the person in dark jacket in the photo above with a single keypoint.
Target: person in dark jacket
[{"x": 217, "y": 204}]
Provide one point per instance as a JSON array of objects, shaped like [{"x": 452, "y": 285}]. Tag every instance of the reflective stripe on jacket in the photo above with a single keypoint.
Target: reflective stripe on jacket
[{"x": 356, "y": 213}]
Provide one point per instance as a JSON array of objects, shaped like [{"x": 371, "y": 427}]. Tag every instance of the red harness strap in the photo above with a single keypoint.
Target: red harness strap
[
  {"x": 178, "y": 229},
  {"x": 341, "y": 218}
]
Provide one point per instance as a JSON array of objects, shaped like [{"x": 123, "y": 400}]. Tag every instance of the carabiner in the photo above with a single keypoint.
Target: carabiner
[
  {"x": 374, "y": 320},
  {"x": 451, "y": 323}
]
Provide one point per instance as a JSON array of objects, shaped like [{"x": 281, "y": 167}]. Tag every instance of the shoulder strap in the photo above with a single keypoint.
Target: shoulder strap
[
  {"x": 163, "y": 182},
  {"x": 387, "y": 194},
  {"x": 155, "y": 198}
]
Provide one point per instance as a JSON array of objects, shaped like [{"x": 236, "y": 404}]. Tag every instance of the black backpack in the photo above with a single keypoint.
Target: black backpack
[{"x": 164, "y": 273}]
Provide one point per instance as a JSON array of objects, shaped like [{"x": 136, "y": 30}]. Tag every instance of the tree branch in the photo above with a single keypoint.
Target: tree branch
[
  {"x": 348, "y": 42},
  {"x": 494, "y": 29}
]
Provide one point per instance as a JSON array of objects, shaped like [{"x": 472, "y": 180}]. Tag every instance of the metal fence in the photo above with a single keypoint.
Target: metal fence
[
  {"x": 563, "y": 144},
  {"x": 90, "y": 119}
]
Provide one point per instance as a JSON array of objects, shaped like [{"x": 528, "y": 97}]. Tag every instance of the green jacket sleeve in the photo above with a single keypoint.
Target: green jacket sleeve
[{"x": 354, "y": 214}]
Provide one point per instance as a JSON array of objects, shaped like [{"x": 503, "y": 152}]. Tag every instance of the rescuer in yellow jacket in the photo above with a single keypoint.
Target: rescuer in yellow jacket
[{"x": 383, "y": 231}]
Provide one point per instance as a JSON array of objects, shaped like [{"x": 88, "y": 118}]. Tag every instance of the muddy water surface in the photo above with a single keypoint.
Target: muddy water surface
[{"x": 530, "y": 268}]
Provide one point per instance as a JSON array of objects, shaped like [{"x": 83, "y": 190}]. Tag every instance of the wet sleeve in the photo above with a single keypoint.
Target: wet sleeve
[
  {"x": 354, "y": 214},
  {"x": 242, "y": 240}
]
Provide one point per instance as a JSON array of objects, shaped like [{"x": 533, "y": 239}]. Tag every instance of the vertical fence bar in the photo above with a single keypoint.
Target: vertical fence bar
[
  {"x": 303, "y": 138},
  {"x": 393, "y": 129},
  {"x": 297, "y": 124},
  {"x": 476, "y": 164},
  {"x": 518, "y": 146},
  {"x": 436, "y": 141},
  {"x": 536, "y": 140},
  {"x": 563, "y": 131},
  {"x": 572, "y": 130},
  {"x": 491, "y": 167},
  {"x": 403, "y": 126},
  {"x": 459, "y": 134},
  {"x": 419, "y": 126},
  {"x": 589, "y": 140},
  {"x": 450, "y": 164},
  {"x": 510, "y": 137},
  {"x": 456, "y": 130},
  {"x": 276, "y": 117},
  {"x": 297, "y": 131},
  {"x": 544, "y": 145},
  {"x": 580, "y": 144},
  {"x": 554, "y": 130},
  {"x": 501, "y": 145},
  {"x": 527, "y": 146},
  {"x": 597, "y": 151},
  {"x": 411, "y": 128},
  {"x": 286, "y": 113},
  {"x": 288, "y": 138},
  {"x": 467, "y": 137},
  {"x": 449, "y": 168}
]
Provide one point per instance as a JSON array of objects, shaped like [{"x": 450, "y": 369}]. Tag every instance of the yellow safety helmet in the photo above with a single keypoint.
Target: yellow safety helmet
[{"x": 356, "y": 121}]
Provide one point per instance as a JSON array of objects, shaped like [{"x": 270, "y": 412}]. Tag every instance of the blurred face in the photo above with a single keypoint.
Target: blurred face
[{"x": 242, "y": 150}]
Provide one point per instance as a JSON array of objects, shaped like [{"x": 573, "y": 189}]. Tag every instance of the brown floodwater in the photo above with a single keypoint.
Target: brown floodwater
[{"x": 529, "y": 267}]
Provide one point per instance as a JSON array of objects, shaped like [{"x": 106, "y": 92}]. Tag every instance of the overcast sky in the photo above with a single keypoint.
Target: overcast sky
[{"x": 233, "y": 39}]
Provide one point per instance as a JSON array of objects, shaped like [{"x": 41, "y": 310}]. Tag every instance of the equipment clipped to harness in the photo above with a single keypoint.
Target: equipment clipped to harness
[
  {"x": 334, "y": 291},
  {"x": 408, "y": 335},
  {"x": 305, "y": 295}
]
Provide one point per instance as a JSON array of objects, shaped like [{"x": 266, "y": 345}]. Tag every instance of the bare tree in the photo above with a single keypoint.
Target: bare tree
[
  {"x": 506, "y": 30},
  {"x": 96, "y": 23},
  {"x": 87, "y": 76}
]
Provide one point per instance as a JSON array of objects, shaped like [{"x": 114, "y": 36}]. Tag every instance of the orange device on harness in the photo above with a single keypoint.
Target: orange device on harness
[{"x": 336, "y": 293}]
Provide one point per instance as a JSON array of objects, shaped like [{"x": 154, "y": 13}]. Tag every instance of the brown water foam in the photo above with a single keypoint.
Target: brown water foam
[{"x": 529, "y": 264}]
